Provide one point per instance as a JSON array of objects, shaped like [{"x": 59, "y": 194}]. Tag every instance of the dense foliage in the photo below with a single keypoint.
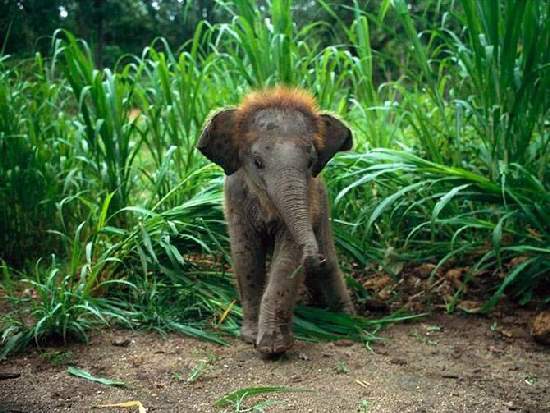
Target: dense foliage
[{"x": 109, "y": 215}]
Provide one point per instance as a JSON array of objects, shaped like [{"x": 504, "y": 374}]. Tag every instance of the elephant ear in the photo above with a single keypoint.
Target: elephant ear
[
  {"x": 217, "y": 141},
  {"x": 337, "y": 137}
]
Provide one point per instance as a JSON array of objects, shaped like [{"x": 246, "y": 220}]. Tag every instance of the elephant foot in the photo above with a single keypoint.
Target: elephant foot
[
  {"x": 274, "y": 341},
  {"x": 344, "y": 306},
  {"x": 349, "y": 309},
  {"x": 249, "y": 332}
]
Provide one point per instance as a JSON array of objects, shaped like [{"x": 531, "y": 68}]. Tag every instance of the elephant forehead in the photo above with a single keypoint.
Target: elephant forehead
[{"x": 282, "y": 122}]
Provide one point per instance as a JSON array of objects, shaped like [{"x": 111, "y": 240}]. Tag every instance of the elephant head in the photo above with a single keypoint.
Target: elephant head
[{"x": 281, "y": 142}]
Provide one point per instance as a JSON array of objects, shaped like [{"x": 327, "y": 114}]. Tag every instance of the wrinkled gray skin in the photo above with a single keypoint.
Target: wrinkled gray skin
[{"x": 274, "y": 203}]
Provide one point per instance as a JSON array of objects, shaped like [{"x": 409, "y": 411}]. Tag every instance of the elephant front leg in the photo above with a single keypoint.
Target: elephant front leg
[
  {"x": 275, "y": 321},
  {"x": 248, "y": 255}
]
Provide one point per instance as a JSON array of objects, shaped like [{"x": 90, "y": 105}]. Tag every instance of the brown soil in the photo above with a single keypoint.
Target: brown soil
[{"x": 440, "y": 364}]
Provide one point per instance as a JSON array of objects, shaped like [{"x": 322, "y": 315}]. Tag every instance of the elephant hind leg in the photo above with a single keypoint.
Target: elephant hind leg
[
  {"x": 326, "y": 285},
  {"x": 327, "y": 288},
  {"x": 316, "y": 294}
]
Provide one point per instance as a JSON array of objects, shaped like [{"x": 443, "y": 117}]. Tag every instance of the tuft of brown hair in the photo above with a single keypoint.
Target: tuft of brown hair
[{"x": 283, "y": 97}]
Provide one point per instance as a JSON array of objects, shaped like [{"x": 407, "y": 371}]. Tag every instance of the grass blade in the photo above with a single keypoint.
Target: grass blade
[{"x": 84, "y": 374}]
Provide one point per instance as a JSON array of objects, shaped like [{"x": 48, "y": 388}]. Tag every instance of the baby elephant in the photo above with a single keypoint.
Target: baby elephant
[{"x": 272, "y": 147}]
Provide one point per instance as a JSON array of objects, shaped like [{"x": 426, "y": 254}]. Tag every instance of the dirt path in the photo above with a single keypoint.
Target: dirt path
[{"x": 441, "y": 364}]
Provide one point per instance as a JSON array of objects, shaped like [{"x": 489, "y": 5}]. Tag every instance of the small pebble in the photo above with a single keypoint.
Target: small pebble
[
  {"x": 121, "y": 342},
  {"x": 398, "y": 361},
  {"x": 344, "y": 343}
]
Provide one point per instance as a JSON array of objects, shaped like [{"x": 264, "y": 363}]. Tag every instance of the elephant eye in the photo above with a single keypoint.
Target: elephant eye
[
  {"x": 310, "y": 163},
  {"x": 258, "y": 163}
]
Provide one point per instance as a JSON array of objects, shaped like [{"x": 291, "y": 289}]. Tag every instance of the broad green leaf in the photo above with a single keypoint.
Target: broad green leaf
[{"x": 84, "y": 374}]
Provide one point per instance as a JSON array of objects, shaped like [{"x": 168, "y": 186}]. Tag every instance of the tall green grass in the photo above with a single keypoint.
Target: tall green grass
[
  {"x": 38, "y": 163},
  {"x": 487, "y": 85},
  {"x": 505, "y": 70},
  {"x": 101, "y": 183},
  {"x": 104, "y": 101},
  {"x": 433, "y": 211}
]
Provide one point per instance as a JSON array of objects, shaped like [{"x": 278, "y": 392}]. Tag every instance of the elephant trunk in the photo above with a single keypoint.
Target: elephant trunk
[{"x": 290, "y": 196}]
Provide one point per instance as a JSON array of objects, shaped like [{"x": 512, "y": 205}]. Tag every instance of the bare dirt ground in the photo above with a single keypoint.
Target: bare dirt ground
[{"x": 439, "y": 364}]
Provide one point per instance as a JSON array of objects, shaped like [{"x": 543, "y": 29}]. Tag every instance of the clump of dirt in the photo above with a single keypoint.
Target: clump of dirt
[
  {"x": 541, "y": 328},
  {"x": 440, "y": 364}
]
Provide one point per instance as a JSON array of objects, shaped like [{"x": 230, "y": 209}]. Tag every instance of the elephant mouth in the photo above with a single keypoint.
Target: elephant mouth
[{"x": 313, "y": 263}]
